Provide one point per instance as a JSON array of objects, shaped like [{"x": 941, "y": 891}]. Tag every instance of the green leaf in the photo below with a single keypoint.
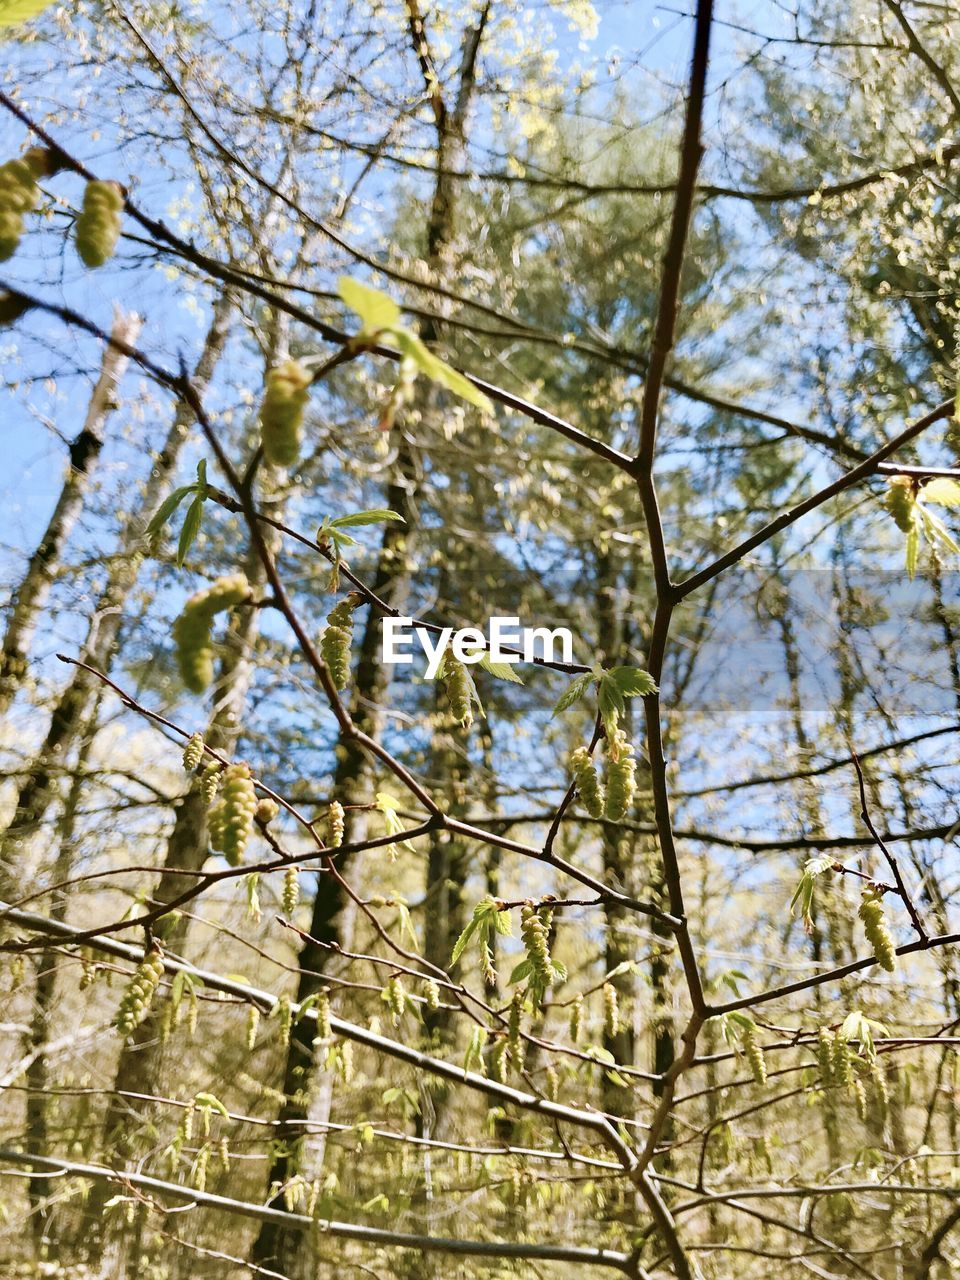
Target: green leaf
[
  {"x": 191, "y": 527},
  {"x": 168, "y": 506},
  {"x": 378, "y": 515},
  {"x": 912, "y": 551},
  {"x": 502, "y": 670},
  {"x": 611, "y": 705},
  {"x": 942, "y": 490},
  {"x": 936, "y": 531},
  {"x": 440, "y": 372},
  {"x": 461, "y": 943},
  {"x": 375, "y": 309},
  {"x": 520, "y": 973},
  {"x": 502, "y": 923},
  {"x": 573, "y": 693},
  {"x": 339, "y": 538},
  {"x": 633, "y": 682},
  {"x": 13, "y": 12}
]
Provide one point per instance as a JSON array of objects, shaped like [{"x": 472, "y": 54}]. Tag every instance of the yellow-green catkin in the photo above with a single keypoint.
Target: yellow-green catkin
[
  {"x": 193, "y": 752},
  {"x": 231, "y": 829},
  {"x": 576, "y": 1020},
  {"x": 344, "y": 1062},
  {"x": 876, "y": 929},
  {"x": 515, "y": 1022},
  {"x": 396, "y": 998},
  {"x": 290, "y": 897},
  {"x": 324, "y": 1029},
  {"x": 432, "y": 995},
  {"x": 754, "y": 1054},
  {"x": 901, "y": 501},
  {"x": 267, "y": 810},
  {"x": 336, "y": 640},
  {"x": 198, "y": 1174},
  {"x": 589, "y": 786},
  {"x": 826, "y": 1048},
  {"x": 138, "y": 997},
  {"x": 621, "y": 776},
  {"x": 98, "y": 226},
  {"x": 192, "y": 630},
  {"x": 281, "y": 413},
  {"x": 456, "y": 682},
  {"x": 860, "y": 1096},
  {"x": 611, "y": 1011},
  {"x": 552, "y": 1083},
  {"x": 19, "y": 194},
  {"x": 841, "y": 1061},
  {"x": 210, "y": 783},
  {"x": 283, "y": 1012},
  {"x": 335, "y": 825},
  {"x": 253, "y": 1024},
  {"x": 534, "y": 934},
  {"x": 879, "y": 1077},
  {"x": 500, "y": 1060}
]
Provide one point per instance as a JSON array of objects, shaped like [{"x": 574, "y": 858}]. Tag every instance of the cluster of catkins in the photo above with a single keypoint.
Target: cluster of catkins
[
  {"x": 336, "y": 640},
  {"x": 877, "y": 930},
  {"x": 138, "y": 997},
  {"x": 192, "y": 630},
  {"x": 614, "y": 800},
  {"x": 98, "y": 226},
  {"x": 19, "y": 194},
  {"x": 231, "y": 819},
  {"x": 281, "y": 413}
]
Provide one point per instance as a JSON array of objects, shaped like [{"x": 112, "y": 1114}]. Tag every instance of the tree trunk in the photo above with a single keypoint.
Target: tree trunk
[
  {"x": 30, "y": 595},
  {"x": 70, "y": 712}
]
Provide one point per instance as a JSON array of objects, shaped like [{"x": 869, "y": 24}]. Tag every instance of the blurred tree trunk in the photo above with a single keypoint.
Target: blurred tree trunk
[
  {"x": 30, "y": 594},
  {"x": 100, "y": 646},
  {"x": 309, "y": 1094},
  {"x": 39, "y": 1104}
]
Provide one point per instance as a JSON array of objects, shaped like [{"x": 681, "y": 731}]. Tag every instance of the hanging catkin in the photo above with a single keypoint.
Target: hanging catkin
[
  {"x": 19, "y": 194},
  {"x": 826, "y": 1048},
  {"x": 291, "y": 891},
  {"x": 193, "y": 752},
  {"x": 611, "y": 1011},
  {"x": 534, "y": 935},
  {"x": 210, "y": 783},
  {"x": 98, "y": 226},
  {"x": 335, "y": 825},
  {"x": 901, "y": 501},
  {"x": 576, "y": 1019},
  {"x": 234, "y": 812},
  {"x": 456, "y": 681},
  {"x": 876, "y": 929},
  {"x": 336, "y": 640},
  {"x": 138, "y": 996},
  {"x": 191, "y": 631},
  {"x": 281, "y": 413},
  {"x": 754, "y": 1054},
  {"x": 621, "y": 776},
  {"x": 589, "y": 786},
  {"x": 396, "y": 998}
]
